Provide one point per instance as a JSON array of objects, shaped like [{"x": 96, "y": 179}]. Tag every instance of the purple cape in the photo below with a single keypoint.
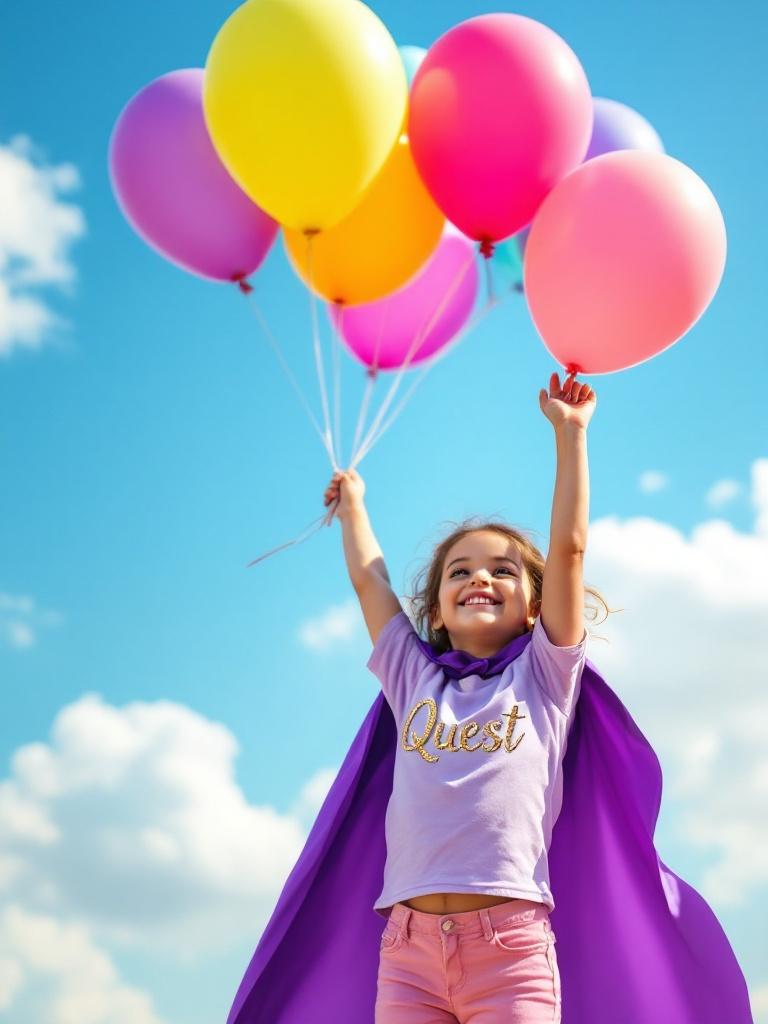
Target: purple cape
[{"x": 635, "y": 943}]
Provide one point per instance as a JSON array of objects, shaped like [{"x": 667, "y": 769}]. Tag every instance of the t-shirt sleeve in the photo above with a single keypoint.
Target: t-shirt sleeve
[
  {"x": 397, "y": 661},
  {"x": 557, "y": 670}
]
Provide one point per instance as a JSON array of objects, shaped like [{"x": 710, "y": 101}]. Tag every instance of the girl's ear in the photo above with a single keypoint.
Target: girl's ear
[{"x": 437, "y": 620}]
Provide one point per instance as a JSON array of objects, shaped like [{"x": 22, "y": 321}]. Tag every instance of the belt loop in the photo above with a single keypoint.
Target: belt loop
[
  {"x": 404, "y": 923},
  {"x": 485, "y": 918}
]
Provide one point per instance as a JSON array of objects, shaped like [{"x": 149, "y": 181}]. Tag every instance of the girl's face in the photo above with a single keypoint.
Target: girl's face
[{"x": 483, "y": 563}]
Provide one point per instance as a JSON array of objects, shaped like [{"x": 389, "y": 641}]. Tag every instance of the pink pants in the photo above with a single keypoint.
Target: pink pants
[{"x": 478, "y": 967}]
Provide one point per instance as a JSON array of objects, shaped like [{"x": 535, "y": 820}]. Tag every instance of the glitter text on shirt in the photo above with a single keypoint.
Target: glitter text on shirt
[{"x": 470, "y": 729}]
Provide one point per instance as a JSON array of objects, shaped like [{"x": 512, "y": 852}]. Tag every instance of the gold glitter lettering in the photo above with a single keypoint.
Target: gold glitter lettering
[
  {"x": 492, "y": 730},
  {"x": 469, "y": 730}
]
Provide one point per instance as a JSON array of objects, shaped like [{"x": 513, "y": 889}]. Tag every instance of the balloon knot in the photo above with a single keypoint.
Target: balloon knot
[
  {"x": 311, "y": 232},
  {"x": 486, "y": 248},
  {"x": 372, "y": 372},
  {"x": 572, "y": 368},
  {"x": 242, "y": 284}
]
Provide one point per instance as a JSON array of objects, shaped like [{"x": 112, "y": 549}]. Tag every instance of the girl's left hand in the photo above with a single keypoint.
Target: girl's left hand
[{"x": 575, "y": 403}]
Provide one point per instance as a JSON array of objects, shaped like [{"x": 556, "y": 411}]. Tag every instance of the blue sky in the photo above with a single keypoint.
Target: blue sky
[{"x": 151, "y": 446}]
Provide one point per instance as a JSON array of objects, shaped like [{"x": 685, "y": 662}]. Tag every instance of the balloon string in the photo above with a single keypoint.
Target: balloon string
[
  {"x": 254, "y": 307},
  {"x": 488, "y": 279},
  {"x": 335, "y": 350},
  {"x": 490, "y": 303},
  {"x": 315, "y": 525},
  {"x": 318, "y": 356},
  {"x": 420, "y": 335},
  {"x": 371, "y": 374}
]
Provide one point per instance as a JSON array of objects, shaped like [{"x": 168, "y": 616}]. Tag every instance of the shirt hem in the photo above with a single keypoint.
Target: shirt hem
[{"x": 514, "y": 892}]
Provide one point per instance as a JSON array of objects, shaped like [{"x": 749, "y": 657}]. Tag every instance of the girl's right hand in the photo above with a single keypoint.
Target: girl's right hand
[{"x": 348, "y": 486}]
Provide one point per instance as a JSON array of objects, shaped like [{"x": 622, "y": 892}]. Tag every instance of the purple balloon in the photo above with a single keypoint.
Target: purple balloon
[
  {"x": 173, "y": 188},
  {"x": 617, "y": 126},
  {"x": 434, "y": 305}
]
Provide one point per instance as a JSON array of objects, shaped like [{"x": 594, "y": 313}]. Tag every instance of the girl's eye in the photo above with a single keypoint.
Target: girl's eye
[{"x": 504, "y": 567}]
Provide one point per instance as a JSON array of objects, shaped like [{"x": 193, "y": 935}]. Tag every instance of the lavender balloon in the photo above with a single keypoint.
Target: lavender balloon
[
  {"x": 174, "y": 189},
  {"x": 427, "y": 312},
  {"x": 617, "y": 126}
]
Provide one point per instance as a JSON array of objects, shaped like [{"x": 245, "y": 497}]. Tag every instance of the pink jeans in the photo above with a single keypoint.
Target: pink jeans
[{"x": 478, "y": 967}]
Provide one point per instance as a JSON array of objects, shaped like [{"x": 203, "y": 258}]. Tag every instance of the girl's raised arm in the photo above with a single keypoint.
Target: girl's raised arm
[
  {"x": 365, "y": 560},
  {"x": 562, "y": 593}
]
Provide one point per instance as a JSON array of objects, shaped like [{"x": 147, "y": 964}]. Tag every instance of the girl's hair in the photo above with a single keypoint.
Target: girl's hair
[{"x": 425, "y": 598}]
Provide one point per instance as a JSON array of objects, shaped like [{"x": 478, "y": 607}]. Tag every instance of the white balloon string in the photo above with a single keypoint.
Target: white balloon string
[
  {"x": 370, "y": 374},
  {"x": 335, "y": 353},
  {"x": 313, "y": 526},
  {"x": 254, "y": 306},
  {"x": 415, "y": 344},
  {"x": 319, "y": 358},
  {"x": 470, "y": 325}
]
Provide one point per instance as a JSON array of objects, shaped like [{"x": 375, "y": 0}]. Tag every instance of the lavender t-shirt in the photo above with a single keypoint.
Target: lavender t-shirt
[{"x": 478, "y": 775}]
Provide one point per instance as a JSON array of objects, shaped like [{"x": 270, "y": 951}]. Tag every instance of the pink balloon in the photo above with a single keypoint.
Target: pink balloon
[
  {"x": 434, "y": 305},
  {"x": 174, "y": 190},
  {"x": 623, "y": 258},
  {"x": 500, "y": 112}
]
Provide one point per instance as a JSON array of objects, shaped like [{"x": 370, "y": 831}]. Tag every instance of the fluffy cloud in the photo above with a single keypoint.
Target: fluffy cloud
[
  {"x": 130, "y": 819},
  {"x": 64, "y": 976},
  {"x": 339, "y": 623},
  {"x": 21, "y": 620},
  {"x": 37, "y": 230},
  {"x": 723, "y": 491},
  {"x": 651, "y": 481},
  {"x": 687, "y": 654}
]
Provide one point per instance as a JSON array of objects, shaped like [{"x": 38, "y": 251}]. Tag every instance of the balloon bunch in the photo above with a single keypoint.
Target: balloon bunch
[{"x": 394, "y": 172}]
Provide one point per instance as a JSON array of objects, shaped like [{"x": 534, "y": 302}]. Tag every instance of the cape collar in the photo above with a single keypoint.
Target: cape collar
[{"x": 458, "y": 664}]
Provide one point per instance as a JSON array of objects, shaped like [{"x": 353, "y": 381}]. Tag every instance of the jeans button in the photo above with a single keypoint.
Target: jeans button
[{"x": 447, "y": 925}]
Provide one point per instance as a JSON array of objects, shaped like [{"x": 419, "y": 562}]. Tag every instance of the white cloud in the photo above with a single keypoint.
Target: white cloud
[
  {"x": 758, "y": 998},
  {"x": 688, "y": 655},
  {"x": 651, "y": 481},
  {"x": 21, "y": 619},
  {"x": 37, "y": 230},
  {"x": 131, "y": 819},
  {"x": 339, "y": 623},
  {"x": 60, "y": 963},
  {"x": 723, "y": 491}
]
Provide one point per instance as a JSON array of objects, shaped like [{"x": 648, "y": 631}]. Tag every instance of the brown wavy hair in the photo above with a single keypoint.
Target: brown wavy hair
[{"x": 424, "y": 600}]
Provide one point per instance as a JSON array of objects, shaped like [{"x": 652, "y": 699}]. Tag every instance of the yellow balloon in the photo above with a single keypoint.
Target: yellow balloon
[
  {"x": 304, "y": 99},
  {"x": 380, "y": 245}
]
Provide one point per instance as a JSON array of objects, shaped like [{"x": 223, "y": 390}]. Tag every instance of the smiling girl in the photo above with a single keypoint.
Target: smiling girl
[{"x": 477, "y": 782}]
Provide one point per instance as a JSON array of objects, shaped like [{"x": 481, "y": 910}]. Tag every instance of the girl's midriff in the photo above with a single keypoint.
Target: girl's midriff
[{"x": 459, "y": 902}]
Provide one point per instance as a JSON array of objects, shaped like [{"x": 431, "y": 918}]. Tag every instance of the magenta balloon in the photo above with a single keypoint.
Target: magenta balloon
[
  {"x": 437, "y": 301},
  {"x": 500, "y": 112},
  {"x": 623, "y": 258},
  {"x": 174, "y": 189}
]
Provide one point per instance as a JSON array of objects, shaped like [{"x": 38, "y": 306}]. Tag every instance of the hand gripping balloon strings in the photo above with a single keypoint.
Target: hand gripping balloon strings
[
  {"x": 415, "y": 344},
  {"x": 373, "y": 435}
]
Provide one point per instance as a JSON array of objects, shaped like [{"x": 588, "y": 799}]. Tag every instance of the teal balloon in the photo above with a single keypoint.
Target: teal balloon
[
  {"x": 507, "y": 261},
  {"x": 411, "y": 57}
]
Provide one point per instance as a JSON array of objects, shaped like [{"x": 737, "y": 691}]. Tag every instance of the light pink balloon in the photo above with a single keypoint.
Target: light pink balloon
[
  {"x": 434, "y": 305},
  {"x": 623, "y": 258},
  {"x": 500, "y": 112}
]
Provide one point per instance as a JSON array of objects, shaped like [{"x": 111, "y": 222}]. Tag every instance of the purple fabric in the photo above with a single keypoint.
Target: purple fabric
[{"x": 643, "y": 947}]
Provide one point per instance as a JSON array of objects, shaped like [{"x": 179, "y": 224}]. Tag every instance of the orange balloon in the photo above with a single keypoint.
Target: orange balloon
[{"x": 386, "y": 239}]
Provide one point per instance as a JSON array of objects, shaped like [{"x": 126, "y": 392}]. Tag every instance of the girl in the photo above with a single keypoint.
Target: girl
[
  {"x": 478, "y": 769},
  {"x": 456, "y": 795}
]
